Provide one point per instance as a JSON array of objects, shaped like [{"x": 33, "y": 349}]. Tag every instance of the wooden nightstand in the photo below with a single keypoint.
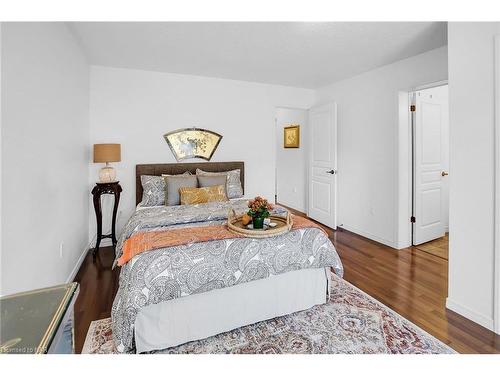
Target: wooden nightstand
[{"x": 99, "y": 189}]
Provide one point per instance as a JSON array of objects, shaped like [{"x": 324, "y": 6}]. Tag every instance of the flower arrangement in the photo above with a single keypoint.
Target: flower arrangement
[{"x": 259, "y": 209}]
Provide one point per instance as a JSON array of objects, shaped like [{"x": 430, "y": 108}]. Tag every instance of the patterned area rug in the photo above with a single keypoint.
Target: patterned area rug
[{"x": 351, "y": 323}]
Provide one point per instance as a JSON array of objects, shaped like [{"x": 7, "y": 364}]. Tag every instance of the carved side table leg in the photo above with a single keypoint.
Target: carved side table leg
[
  {"x": 98, "y": 213},
  {"x": 115, "y": 210}
]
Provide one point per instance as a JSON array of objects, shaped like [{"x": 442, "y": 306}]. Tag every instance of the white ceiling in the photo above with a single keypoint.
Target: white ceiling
[{"x": 299, "y": 54}]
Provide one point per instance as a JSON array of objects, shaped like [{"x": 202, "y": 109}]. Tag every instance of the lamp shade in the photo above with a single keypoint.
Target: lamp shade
[{"x": 107, "y": 152}]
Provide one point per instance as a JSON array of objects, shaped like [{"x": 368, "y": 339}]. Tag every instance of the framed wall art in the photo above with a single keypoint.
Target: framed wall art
[
  {"x": 291, "y": 136},
  {"x": 193, "y": 143}
]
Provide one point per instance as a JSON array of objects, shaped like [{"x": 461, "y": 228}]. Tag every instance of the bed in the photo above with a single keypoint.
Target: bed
[{"x": 198, "y": 281}]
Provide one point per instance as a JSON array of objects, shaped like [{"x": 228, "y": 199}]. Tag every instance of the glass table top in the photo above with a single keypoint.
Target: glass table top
[{"x": 29, "y": 320}]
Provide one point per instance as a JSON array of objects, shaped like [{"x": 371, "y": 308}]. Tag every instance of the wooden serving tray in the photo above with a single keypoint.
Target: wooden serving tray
[{"x": 235, "y": 225}]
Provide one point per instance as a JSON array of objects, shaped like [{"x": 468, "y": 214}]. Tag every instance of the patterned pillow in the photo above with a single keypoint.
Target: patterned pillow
[
  {"x": 191, "y": 195},
  {"x": 233, "y": 186},
  {"x": 153, "y": 190}
]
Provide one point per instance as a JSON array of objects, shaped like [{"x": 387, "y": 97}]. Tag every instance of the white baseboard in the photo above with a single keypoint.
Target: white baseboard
[
  {"x": 470, "y": 314},
  {"x": 79, "y": 262},
  {"x": 370, "y": 236},
  {"x": 403, "y": 245}
]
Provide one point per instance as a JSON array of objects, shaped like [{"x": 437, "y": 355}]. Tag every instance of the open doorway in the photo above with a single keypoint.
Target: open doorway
[
  {"x": 291, "y": 159},
  {"x": 430, "y": 170}
]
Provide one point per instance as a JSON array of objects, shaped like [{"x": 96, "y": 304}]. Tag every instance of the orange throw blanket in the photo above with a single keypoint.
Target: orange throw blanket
[{"x": 145, "y": 241}]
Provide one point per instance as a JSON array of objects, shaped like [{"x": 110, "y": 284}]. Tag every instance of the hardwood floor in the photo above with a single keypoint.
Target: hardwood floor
[
  {"x": 412, "y": 282},
  {"x": 438, "y": 247},
  {"x": 98, "y": 286}
]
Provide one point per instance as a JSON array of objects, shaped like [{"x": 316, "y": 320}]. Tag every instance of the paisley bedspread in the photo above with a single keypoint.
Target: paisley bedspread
[{"x": 160, "y": 275}]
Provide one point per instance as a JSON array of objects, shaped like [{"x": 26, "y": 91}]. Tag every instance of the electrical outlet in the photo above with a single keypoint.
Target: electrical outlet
[{"x": 61, "y": 249}]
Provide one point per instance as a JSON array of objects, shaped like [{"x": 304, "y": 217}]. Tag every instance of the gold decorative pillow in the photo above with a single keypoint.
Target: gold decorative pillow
[{"x": 190, "y": 195}]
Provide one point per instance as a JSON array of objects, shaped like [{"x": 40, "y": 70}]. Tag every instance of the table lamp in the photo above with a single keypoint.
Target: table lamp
[{"x": 107, "y": 153}]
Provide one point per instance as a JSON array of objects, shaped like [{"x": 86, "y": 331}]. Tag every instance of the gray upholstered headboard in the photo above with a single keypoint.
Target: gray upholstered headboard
[{"x": 178, "y": 168}]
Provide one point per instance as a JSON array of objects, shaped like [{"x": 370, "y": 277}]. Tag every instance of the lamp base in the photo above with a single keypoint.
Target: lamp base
[{"x": 107, "y": 174}]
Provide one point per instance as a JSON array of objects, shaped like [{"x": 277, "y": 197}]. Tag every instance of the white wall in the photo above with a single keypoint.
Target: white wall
[
  {"x": 45, "y": 150},
  {"x": 368, "y": 120},
  {"x": 135, "y": 108},
  {"x": 1, "y": 153},
  {"x": 471, "y": 85},
  {"x": 291, "y": 173},
  {"x": 497, "y": 185}
]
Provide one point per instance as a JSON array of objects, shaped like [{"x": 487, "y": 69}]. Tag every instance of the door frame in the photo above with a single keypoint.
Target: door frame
[
  {"x": 413, "y": 117},
  {"x": 405, "y": 166},
  {"x": 496, "y": 220},
  {"x": 333, "y": 104}
]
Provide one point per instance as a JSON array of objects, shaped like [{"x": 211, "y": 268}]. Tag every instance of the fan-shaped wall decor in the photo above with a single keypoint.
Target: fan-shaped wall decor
[{"x": 192, "y": 143}]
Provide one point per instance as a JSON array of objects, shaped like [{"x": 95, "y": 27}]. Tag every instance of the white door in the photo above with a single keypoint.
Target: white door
[
  {"x": 428, "y": 167},
  {"x": 323, "y": 164}
]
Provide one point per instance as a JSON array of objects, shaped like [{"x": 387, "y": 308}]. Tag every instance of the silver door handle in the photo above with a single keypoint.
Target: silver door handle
[{"x": 332, "y": 171}]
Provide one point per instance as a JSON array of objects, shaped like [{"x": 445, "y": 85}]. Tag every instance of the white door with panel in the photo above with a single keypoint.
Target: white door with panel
[
  {"x": 429, "y": 166},
  {"x": 323, "y": 164}
]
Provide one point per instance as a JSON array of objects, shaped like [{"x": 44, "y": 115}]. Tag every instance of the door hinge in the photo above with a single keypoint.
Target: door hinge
[
  {"x": 413, "y": 108},
  {"x": 412, "y": 219}
]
